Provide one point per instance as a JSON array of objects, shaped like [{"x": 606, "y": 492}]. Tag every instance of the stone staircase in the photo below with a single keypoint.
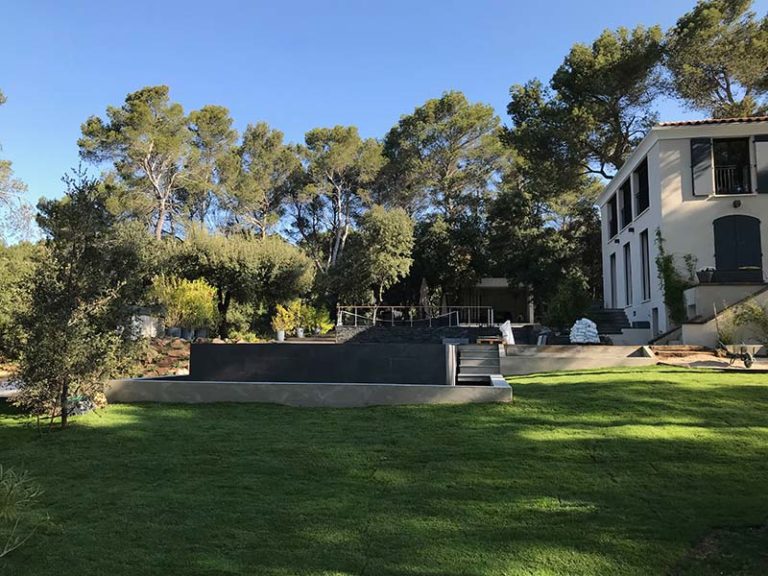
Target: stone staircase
[
  {"x": 608, "y": 320},
  {"x": 475, "y": 361}
]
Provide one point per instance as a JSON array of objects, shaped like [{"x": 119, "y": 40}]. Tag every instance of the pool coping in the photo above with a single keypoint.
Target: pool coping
[{"x": 302, "y": 394}]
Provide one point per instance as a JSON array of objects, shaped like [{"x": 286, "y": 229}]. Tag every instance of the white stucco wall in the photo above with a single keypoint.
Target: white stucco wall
[
  {"x": 685, "y": 220},
  {"x": 640, "y": 310}
]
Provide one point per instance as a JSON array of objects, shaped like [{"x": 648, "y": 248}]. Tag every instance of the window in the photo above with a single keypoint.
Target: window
[
  {"x": 613, "y": 220},
  {"x": 732, "y": 170},
  {"x": 627, "y": 275},
  {"x": 626, "y": 203},
  {"x": 642, "y": 187},
  {"x": 612, "y": 280},
  {"x": 645, "y": 263}
]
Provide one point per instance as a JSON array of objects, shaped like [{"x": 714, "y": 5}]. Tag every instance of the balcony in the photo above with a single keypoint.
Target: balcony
[{"x": 734, "y": 179}]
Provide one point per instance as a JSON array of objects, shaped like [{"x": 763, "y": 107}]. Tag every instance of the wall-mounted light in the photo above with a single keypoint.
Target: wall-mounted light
[
  {"x": 631, "y": 229},
  {"x": 737, "y": 203},
  {"x": 616, "y": 241}
]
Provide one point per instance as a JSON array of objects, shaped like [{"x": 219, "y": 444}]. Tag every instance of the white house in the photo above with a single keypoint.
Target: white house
[{"x": 704, "y": 186}]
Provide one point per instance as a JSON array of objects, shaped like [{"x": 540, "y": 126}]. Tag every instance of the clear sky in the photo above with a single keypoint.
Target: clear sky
[{"x": 294, "y": 64}]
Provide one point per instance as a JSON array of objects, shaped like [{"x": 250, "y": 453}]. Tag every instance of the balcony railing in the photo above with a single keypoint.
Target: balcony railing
[{"x": 732, "y": 179}]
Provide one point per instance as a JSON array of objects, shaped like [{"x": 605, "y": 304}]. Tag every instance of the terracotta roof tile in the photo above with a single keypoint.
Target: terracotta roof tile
[{"x": 743, "y": 120}]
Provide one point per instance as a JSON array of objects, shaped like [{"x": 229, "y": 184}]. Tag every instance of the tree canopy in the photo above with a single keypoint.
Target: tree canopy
[
  {"x": 717, "y": 55},
  {"x": 444, "y": 157},
  {"x": 596, "y": 108},
  {"x": 380, "y": 256},
  {"x": 149, "y": 143},
  {"x": 339, "y": 171},
  {"x": 76, "y": 324},
  {"x": 261, "y": 271},
  {"x": 15, "y": 213}
]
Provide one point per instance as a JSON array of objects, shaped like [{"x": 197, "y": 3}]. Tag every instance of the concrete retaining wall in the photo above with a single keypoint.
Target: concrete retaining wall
[
  {"x": 305, "y": 394},
  {"x": 705, "y": 333},
  {"x": 520, "y": 360}
]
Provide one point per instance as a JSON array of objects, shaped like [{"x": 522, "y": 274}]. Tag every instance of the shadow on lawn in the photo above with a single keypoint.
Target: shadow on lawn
[{"x": 571, "y": 479}]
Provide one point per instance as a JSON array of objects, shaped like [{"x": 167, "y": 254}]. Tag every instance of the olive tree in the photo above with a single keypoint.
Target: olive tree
[
  {"x": 243, "y": 269},
  {"x": 77, "y": 324}
]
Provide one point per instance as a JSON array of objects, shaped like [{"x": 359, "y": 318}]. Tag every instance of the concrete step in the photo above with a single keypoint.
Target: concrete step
[
  {"x": 484, "y": 351},
  {"x": 487, "y": 370},
  {"x": 477, "y": 347},
  {"x": 478, "y": 362},
  {"x": 472, "y": 378},
  {"x": 478, "y": 357}
]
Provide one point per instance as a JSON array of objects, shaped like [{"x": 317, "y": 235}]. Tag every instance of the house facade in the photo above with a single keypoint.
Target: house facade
[{"x": 703, "y": 186}]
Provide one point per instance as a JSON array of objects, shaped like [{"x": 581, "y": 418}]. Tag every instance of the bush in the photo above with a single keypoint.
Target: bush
[
  {"x": 240, "y": 319},
  {"x": 284, "y": 319},
  {"x": 18, "y": 518},
  {"x": 188, "y": 303},
  {"x": 752, "y": 315},
  {"x": 672, "y": 282},
  {"x": 318, "y": 319},
  {"x": 570, "y": 300}
]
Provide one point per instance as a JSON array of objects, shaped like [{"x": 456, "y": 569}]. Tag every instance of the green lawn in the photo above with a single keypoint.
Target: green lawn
[{"x": 608, "y": 472}]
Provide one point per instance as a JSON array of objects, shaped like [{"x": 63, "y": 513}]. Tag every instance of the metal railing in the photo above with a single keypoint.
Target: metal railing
[
  {"x": 732, "y": 179},
  {"x": 415, "y": 316}
]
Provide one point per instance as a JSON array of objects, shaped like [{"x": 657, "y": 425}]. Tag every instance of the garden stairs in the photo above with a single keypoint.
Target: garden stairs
[
  {"x": 613, "y": 323},
  {"x": 608, "y": 320},
  {"x": 476, "y": 361}
]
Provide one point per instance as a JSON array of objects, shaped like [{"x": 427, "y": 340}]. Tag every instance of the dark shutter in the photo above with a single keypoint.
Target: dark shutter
[
  {"x": 701, "y": 166},
  {"x": 761, "y": 161}
]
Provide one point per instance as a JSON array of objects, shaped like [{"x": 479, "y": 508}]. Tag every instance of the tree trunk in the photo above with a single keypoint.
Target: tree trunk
[
  {"x": 64, "y": 404},
  {"x": 160, "y": 221}
]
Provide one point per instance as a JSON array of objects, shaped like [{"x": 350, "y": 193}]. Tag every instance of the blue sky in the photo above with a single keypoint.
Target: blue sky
[{"x": 294, "y": 64}]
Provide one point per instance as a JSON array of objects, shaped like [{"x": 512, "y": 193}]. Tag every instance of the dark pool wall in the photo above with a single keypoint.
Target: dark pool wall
[{"x": 342, "y": 363}]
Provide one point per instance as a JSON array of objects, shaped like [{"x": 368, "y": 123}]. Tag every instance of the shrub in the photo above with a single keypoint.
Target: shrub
[
  {"x": 284, "y": 319},
  {"x": 570, "y": 300},
  {"x": 726, "y": 329},
  {"x": 18, "y": 518},
  {"x": 318, "y": 319},
  {"x": 187, "y": 303},
  {"x": 298, "y": 311},
  {"x": 672, "y": 282},
  {"x": 240, "y": 319},
  {"x": 752, "y": 315}
]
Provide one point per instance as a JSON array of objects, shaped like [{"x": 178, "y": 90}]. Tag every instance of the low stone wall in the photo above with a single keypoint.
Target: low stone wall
[
  {"x": 302, "y": 394},
  {"x": 521, "y": 360}
]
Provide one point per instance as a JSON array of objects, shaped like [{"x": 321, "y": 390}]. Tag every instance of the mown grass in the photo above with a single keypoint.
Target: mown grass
[{"x": 605, "y": 472}]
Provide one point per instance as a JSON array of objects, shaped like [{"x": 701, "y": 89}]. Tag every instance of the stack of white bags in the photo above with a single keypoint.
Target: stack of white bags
[{"x": 584, "y": 331}]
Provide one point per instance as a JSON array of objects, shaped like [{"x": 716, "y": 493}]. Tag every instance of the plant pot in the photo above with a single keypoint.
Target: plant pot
[
  {"x": 173, "y": 332},
  {"x": 299, "y": 332},
  {"x": 281, "y": 335},
  {"x": 705, "y": 276}
]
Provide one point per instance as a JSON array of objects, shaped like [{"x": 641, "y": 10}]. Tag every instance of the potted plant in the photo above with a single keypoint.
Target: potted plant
[
  {"x": 318, "y": 320},
  {"x": 298, "y": 311},
  {"x": 705, "y": 274},
  {"x": 283, "y": 321}
]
